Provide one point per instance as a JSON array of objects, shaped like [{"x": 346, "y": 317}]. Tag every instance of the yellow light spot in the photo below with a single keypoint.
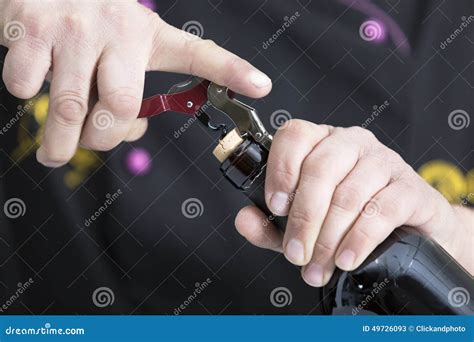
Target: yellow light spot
[
  {"x": 446, "y": 178},
  {"x": 40, "y": 109},
  {"x": 72, "y": 179}
]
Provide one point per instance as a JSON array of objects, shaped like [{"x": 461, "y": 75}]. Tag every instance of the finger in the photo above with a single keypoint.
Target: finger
[
  {"x": 74, "y": 68},
  {"x": 26, "y": 65},
  {"x": 349, "y": 198},
  {"x": 290, "y": 146},
  {"x": 178, "y": 51},
  {"x": 138, "y": 129},
  {"x": 253, "y": 225},
  {"x": 120, "y": 82},
  {"x": 389, "y": 209},
  {"x": 323, "y": 169}
]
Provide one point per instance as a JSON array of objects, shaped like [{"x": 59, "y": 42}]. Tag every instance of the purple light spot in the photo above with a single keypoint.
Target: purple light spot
[
  {"x": 148, "y": 3},
  {"x": 373, "y": 31},
  {"x": 138, "y": 161}
]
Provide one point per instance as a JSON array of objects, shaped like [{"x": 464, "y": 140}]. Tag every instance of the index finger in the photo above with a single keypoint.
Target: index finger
[{"x": 178, "y": 51}]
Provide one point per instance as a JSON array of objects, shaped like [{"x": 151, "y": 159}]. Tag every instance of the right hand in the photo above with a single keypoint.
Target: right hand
[{"x": 98, "y": 53}]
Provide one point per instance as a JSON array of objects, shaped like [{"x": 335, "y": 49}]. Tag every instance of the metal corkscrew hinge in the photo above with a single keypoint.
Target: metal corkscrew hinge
[{"x": 194, "y": 96}]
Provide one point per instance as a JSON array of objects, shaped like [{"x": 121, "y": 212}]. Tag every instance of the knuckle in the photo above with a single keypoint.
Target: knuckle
[
  {"x": 346, "y": 198},
  {"x": 302, "y": 217},
  {"x": 76, "y": 25},
  {"x": 359, "y": 132},
  {"x": 123, "y": 103},
  {"x": 410, "y": 182},
  {"x": 114, "y": 12},
  {"x": 70, "y": 109},
  {"x": 393, "y": 156},
  {"x": 155, "y": 20},
  {"x": 327, "y": 129},
  {"x": 364, "y": 235},
  {"x": 195, "y": 46},
  {"x": 108, "y": 10},
  {"x": 33, "y": 24},
  {"x": 387, "y": 160},
  {"x": 323, "y": 249},
  {"x": 283, "y": 174},
  {"x": 255, "y": 237},
  {"x": 307, "y": 130},
  {"x": 122, "y": 23},
  {"x": 233, "y": 66},
  {"x": 81, "y": 82},
  {"x": 313, "y": 173},
  {"x": 389, "y": 208},
  {"x": 296, "y": 128},
  {"x": 341, "y": 131}
]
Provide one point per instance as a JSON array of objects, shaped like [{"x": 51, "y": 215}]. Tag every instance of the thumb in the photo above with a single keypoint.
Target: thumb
[{"x": 178, "y": 51}]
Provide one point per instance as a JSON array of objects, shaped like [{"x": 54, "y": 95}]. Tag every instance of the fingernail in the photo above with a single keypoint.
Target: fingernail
[
  {"x": 295, "y": 251},
  {"x": 345, "y": 260},
  {"x": 314, "y": 275},
  {"x": 279, "y": 203},
  {"x": 259, "y": 79}
]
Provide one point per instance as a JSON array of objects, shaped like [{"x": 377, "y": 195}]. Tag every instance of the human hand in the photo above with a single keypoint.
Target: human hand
[
  {"x": 98, "y": 53},
  {"x": 344, "y": 193}
]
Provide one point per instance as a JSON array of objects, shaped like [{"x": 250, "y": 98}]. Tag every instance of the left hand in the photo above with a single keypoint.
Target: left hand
[
  {"x": 97, "y": 53},
  {"x": 344, "y": 193}
]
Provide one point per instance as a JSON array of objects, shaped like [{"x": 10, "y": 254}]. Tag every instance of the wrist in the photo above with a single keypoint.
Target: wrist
[
  {"x": 455, "y": 234},
  {"x": 463, "y": 234}
]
